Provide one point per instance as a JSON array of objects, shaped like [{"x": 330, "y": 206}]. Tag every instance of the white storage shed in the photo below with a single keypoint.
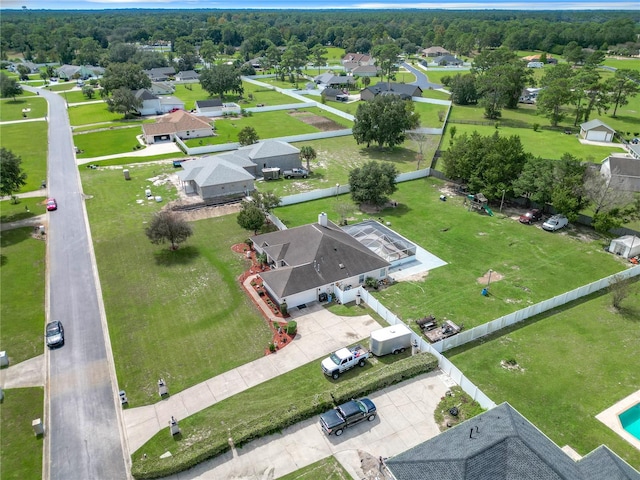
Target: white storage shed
[{"x": 626, "y": 246}]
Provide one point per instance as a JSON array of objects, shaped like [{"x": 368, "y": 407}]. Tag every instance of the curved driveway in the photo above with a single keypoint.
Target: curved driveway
[
  {"x": 83, "y": 436},
  {"x": 422, "y": 80}
]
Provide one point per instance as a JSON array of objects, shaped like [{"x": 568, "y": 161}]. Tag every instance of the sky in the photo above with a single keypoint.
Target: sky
[{"x": 322, "y": 4}]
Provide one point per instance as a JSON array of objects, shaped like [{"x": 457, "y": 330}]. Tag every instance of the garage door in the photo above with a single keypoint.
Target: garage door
[{"x": 597, "y": 136}]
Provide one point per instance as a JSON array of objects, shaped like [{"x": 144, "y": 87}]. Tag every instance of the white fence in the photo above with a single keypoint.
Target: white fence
[{"x": 424, "y": 346}]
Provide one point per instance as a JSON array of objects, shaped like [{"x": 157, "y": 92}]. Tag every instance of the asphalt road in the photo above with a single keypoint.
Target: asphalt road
[
  {"x": 421, "y": 79},
  {"x": 83, "y": 437}
]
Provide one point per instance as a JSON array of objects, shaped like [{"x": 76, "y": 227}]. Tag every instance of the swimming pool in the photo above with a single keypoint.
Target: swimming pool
[{"x": 630, "y": 420}]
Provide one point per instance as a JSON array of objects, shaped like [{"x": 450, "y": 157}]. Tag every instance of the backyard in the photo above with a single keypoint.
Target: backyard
[{"x": 568, "y": 365}]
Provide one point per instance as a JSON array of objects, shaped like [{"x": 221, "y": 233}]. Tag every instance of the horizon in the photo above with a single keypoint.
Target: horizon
[{"x": 468, "y": 5}]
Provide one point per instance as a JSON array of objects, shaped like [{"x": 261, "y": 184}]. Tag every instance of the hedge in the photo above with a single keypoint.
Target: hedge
[{"x": 203, "y": 444}]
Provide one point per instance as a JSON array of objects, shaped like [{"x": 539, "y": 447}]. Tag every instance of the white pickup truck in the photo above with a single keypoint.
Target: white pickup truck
[
  {"x": 296, "y": 173},
  {"x": 343, "y": 360}
]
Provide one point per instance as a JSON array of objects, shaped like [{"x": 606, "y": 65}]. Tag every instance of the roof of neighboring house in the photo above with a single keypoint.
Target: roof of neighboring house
[
  {"x": 268, "y": 149},
  {"x": 402, "y": 89},
  {"x": 447, "y": 59},
  {"x": 188, "y": 75},
  {"x": 365, "y": 69},
  {"x": 435, "y": 49},
  {"x": 68, "y": 70},
  {"x": 331, "y": 92},
  {"x": 624, "y": 165},
  {"x": 356, "y": 57},
  {"x": 144, "y": 94},
  {"x": 591, "y": 124},
  {"x": 215, "y": 102},
  {"x": 501, "y": 444},
  {"x": 212, "y": 170},
  {"x": 163, "y": 86},
  {"x": 536, "y": 58},
  {"x": 315, "y": 255},
  {"x": 177, "y": 121},
  {"x": 160, "y": 72},
  {"x": 331, "y": 79},
  {"x": 171, "y": 101}
]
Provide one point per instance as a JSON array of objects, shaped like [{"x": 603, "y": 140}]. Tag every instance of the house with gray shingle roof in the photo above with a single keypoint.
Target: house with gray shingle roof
[
  {"x": 447, "y": 60},
  {"x": 187, "y": 75},
  {"x": 331, "y": 80},
  {"x": 162, "y": 88},
  {"x": 501, "y": 444},
  {"x": 435, "y": 51},
  {"x": 160, "y": 74},
  {"x": 596, "y": 130},
  {"x": 83, "y": 72},
  {"x": 215, "y": 107},
  {"x": 313, "y": 259},
  {"x": 622, "y": 171},
  {"x": 215, "y": 180},
  {"x": 157, "y": 105},
  {"x": 179, "y": 124},
  {"x": 403, "y": 90},
  {"x": 366, "y": 71}
]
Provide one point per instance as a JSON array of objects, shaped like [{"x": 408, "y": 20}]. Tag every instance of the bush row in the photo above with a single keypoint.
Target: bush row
[{"x": 212, "y": 442}]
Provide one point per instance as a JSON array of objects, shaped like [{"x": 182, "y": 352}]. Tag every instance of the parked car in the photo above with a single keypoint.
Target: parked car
[
  {"x": 54, "y": 334},
  {"x": 555, "y": 223},
  {"x": 52, "y": 204},
  {"x": 296, "y": 173},
  {"x": 348, "y": 414},
  {"x": 531, "y": 216}
]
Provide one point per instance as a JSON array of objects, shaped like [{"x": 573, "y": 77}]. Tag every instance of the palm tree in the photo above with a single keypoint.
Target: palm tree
[{"x": 307, "y": 153}]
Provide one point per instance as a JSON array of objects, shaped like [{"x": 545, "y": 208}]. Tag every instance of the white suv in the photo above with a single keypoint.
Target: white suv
[{"x": 555, "y": 223}]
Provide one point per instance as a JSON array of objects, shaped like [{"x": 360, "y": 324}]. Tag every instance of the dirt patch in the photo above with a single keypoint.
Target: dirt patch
[
  {"x": 495, "y": 277},
  {"x": 511, "y": 365},
  {"x": 321, "y": 123}
]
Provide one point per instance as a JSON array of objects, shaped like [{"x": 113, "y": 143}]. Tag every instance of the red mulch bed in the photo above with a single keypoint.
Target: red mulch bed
[{"x": 280, "y": 340}]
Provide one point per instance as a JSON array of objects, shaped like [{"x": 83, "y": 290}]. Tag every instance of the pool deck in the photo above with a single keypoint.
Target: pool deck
[{"x": 610, "y": 417}]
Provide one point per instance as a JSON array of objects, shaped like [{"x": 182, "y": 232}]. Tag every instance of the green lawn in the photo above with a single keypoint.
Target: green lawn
[
  {"x": 632, "y": 63},
  {"x": 429, "y": 114},
  {"x": 576, "y": 361},
  {"x": 22, "y": 275},
  {"x": 61, "y": 86},
  {"x": 11, "y": 110},
  {"x": 536, "y": 265},
  {"x": 191, "y": 93},
  {"x": 162, "y": 303},
  {"x": 108, "y": 142},
  {"x": 326, "y": 469},
  {"x": 92, "y": 113},
  {"x": 20, "y": 449},
  {"x": 24, "y": 208},
  {"x": 336, "y": 157},
  {"x": 28, "y": 140}
]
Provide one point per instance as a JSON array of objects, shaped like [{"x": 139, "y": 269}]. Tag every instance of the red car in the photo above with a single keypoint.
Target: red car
[
  {"x": 531, "y": 216},
  {"x": 51, "y": 204}
]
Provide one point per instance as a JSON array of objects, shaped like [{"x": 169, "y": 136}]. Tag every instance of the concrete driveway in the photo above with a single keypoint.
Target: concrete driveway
[{"x": 405, "y": 419}]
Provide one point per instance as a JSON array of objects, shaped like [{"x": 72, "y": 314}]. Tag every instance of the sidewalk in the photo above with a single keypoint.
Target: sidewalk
[{"x": 319, "y": 333}]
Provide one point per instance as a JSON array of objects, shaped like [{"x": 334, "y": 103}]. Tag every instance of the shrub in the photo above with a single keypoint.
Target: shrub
[
  {"x": 272, "y": 347},
  {"x": 536, "y": 127},
  {"x": 292, "y": 326},
  {"x": 370, "y": 282}
]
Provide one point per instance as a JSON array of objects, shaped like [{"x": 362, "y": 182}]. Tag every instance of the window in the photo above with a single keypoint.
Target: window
[{"x": 383, "y": 272}]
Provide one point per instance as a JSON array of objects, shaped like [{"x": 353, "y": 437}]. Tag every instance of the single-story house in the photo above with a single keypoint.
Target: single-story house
[
  {"x": 179, "y": 124},
  {"x": 310, "y": 261},
  {"x": 447, "y": 60},
  {"x": 403, "y": 90},
  {"x": 256, "y": 63},
  {"x": 161, "y": 88},
  {"x": 434, "y": 52},
  {"x": 623, "y": 170},
  {"x": 161, "y": 74},
  {"x": 155, "y": 105},
  {"x": 187, "y": 75},
  {"x": 597, "y": 131},
  {"x": 82, "y": 72},
  {"x": 359, "y": 58},
  {"x": 366, "y": 71},
  {"x": 331, "y": 80},
  {"x": 536, "y": 58},
  {"x": 335, "y": 94},
  {"x": 626, "y": 246},
  {"x": 501, "y": 444},
  {"x": 215, "y": 180},
  {"x": 33, "y": 68},
  {"x": 216, "y": 108}
]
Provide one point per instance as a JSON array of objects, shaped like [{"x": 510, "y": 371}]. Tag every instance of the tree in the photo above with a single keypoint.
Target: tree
[
  {"x": 384, "y": 120},
  {"x": 294, "y": 57},
  {"x": 248, "y": 136},
  {"x": 127, "y": 75},
  {"x": 11, "y": 175},
  {"x": 535, "y": 182},
  {"x": 606, "y": 194},
  {"x": 625, "y": 83},
  {"x": 494, "y": 90},
  {"x": 344, "y": 210},
  {"x": 573, "y": 53},
  {"x": 422, "y": 140},
  {"x": 265, "y": 201},
  {"x": 251, "y": 217},
  {"x": 307, "y": 153},
  {"x": 373, "y": 182},
  {"x": 221, "y": 79},
  {"x": 9, "y": 87},
  {"x": 584, "y": 82},
  {"x": 208, "y": 52},
  {"x": 619, "y": 288},
  {"x": 88, "y": 91},
  {"x": 124, "y": 101},
  {"x": 319, "y": 56},
  {"x": 568, "y": 195},
  {"x": 557, "y": 91},
  {"x": 386, "y": 56},
  {"x": 463, "y": 89},
  {"x": 23, "y": 72},
  {"x": 168, "y": 226}
]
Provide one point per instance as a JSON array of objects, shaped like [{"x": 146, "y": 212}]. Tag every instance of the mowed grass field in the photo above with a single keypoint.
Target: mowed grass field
[
  {"x": 12, "y": 110},
  {"x": 535, "y": 265},
  {"x": 28, "y": 140},
  {"x": 574, "y": 363},
  {"x": 178, "y": 315}
]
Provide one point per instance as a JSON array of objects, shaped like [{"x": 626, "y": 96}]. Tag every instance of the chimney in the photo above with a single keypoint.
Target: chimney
[{"x": 322, "y": 219}]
